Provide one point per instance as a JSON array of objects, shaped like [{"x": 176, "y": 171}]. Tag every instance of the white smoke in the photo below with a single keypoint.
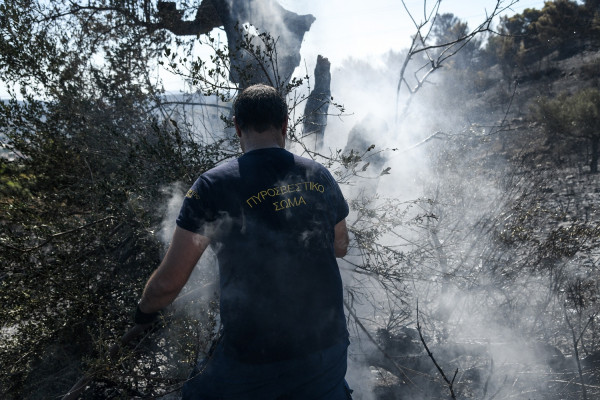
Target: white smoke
[
  {"x": 368, "y": 90},
  {"x": 469, "y": 303},
  {"x": 203, "y": 282},
  {"x": 175, "y": 193}
]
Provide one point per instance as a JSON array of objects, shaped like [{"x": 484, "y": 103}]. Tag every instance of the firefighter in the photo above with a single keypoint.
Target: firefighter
[{"x": 276, "y": 222}]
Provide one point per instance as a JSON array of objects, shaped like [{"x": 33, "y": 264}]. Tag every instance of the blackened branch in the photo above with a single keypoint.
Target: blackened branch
[
  {"x": 576, "y": 352},
  {"x": 430, "y": 354},
  {"x": 372, "y": 339}
]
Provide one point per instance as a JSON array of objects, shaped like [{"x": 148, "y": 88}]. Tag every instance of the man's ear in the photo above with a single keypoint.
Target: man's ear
[
  {"x": 238, "y": 130},
  {"x": 284, "y": 127},
  {"x": 284, "y": 133}
]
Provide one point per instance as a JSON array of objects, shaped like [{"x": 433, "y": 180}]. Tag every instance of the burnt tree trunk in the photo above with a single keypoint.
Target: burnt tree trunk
[
  {"x": 267, "y": 16},
  {"x": 317, "y": 105}
]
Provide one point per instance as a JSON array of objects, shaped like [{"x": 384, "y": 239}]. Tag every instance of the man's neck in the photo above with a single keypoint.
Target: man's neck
[
  {"x": 251, "y": 147},
  {"x": 263, "y": 140}
]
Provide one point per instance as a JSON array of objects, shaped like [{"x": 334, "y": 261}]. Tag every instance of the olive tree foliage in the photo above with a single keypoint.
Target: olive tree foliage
[
  {"x": 524, "y": 39},
  {"x": 88, "y": 150},
  {"x": 571, "y": 118},
  {"x": 91, "y": 149}
]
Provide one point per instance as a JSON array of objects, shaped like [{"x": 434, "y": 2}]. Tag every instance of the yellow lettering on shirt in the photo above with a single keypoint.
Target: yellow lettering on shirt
[
  {"x": 289, "y": 203},
  {"x": 278, "y": 191}
]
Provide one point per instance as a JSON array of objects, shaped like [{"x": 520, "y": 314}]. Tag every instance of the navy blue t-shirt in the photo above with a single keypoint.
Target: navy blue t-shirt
[{"x": 270, "y": 216}]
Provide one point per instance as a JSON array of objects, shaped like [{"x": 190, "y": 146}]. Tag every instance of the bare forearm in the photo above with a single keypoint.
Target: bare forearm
[
  {"x": 169, "y": 278},
  {"x": 156, "y": 296}
]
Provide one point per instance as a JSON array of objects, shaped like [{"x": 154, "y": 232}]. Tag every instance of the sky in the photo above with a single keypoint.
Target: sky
[{"x": 367, "y": 29}]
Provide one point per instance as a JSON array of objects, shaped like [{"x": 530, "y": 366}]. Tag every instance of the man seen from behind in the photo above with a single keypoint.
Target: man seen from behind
[{"x": 276, "y": 222}]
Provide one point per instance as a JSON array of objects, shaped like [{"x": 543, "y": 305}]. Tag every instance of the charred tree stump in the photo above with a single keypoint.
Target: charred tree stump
[
  {"x": 317, "y": 105},
  {"x": 286, "y": 28}
]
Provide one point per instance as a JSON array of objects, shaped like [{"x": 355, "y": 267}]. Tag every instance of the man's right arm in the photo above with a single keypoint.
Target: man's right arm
[
  {"x": 169, "y": 278},
  {"x": 341, "y": 240}
]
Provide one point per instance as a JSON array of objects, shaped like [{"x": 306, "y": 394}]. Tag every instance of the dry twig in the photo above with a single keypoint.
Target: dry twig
[{"x": 450, "y": 383}]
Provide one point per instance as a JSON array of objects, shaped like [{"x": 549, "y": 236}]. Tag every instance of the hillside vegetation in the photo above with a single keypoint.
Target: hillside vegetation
[{"x": 511, "y": 231}]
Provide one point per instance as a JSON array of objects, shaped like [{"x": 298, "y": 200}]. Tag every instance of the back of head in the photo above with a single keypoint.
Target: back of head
[{"x": 260, "y": 107}]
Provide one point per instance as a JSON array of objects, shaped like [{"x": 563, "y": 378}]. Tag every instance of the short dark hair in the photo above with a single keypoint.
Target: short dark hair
[{"x": 260, "y": 107}]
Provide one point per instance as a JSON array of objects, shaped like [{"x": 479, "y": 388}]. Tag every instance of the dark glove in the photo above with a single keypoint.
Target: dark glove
[{"x": 143, "y": 318}]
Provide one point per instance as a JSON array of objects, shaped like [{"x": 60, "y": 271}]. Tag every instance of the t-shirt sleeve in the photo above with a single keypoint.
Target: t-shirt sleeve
[
  {"x": 196, "y": 212},
  {"x": 342, "y": 206}
]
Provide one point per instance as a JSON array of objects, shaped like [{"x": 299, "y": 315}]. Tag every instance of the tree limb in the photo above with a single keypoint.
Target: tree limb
[{"x": 430, "y": 354}]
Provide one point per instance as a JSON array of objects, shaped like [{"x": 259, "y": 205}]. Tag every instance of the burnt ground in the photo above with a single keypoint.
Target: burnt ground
[{"x": 559, "y": 174}]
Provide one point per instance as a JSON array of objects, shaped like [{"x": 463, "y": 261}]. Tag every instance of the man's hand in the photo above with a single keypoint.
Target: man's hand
[{"x": 142, "y": 318}]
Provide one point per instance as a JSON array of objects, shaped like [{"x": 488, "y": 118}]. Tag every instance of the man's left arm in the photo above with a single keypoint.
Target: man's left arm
[
  {"x": 341, "y": 239},
  {"x": 169, "y": 278}
]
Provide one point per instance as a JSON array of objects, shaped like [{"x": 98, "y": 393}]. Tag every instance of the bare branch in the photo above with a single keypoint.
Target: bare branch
[
  {"x": 576, "y": 352},
  {"x": 430, "y": 354},
  {"x": 372, "y": 339},
  {"x": 450, "y": 48}
]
